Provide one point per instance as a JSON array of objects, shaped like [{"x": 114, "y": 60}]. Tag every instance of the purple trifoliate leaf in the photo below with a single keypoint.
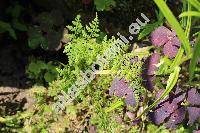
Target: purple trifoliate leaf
[
  {"x": 193, "y": 97},
  {"x": 160, "y": 36},
  {"x": 120, "y": 88},
  {"x": 170, "y": 50},
  {"x": 194, "y": 114},
  {"x": 176, "y": 118}
]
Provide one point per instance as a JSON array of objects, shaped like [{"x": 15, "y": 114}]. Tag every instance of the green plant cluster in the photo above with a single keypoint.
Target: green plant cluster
[
  {"x": 14, "y": 24},
  {"x": 42, "y": 72},
  {"x": 94, "y": 107}
]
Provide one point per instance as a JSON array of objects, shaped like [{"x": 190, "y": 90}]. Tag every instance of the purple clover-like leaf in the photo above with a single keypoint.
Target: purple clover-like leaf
[
  {"x": 176, "y": 118},
  {"x": 163, "y": 112},
  {"x": 193, "y": 97},
  {"x": 194, "y": 114},
  {"x": 152, "y": 61},
  {"x": 161, "y": 35},
  {"x": 130, "y": 99},
  {"x": 170, "y": 51},
  {"x": 174, "y": 41},
  {"x": 120, "y": 88},
  {"x": 171, "y": 47},
  {"x": 168, "y": 108},
  {"x": 171, "y": 112}
]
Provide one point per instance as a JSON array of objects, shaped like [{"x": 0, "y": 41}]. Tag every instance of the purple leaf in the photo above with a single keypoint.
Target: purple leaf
[
  {"x": 161, "y": 35},
  {"x": 152, "y": 61},
  {"x": 148, "y": 82},
  {"x": 170, "y": 51},
  {"x": 196, "y": 131},
  {"x": 121, "y": 89},
  {"x": 194, "y": 114},
  {"x": 176, "y": 118},
  {"x": 130, "y": 99},
  {"x": 193, "y": 97},
  {"x": 163, "y": 112},
  {"x": 171, "y": 47},
  {"x": 171, "y": 112},
  {"x": 174, "y": 41},
  {"x": 166, "y": 107}
]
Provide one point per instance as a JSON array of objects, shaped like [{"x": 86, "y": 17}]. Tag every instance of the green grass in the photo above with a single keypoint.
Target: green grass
[
  {"x": 190, "y": 13},
  {"x": 195, "y": 3},
  {"x": 194, "y": 59}
]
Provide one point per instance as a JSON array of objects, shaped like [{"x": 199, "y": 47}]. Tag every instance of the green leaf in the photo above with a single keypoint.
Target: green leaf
[
  {"x": 190, "y": 13},
  {"x": 175, "y": 24},
  {"x": 173, "y": 78},
  {"x": 36, "y": 67},
  {"x": 177, "y": 59},
  {"x": 104, "y": 4},
  {"x": 15, "y": 11},
  {"x": 19, "y": 26},
  {"x": 147, "y": 29},
  {"x": 7, "y": 27},
  {"x": 49, "y": 77},
  {"x": 114, "y": 106},
  {"x": 194, "y": 59},
  {"x": 36, "y": 39}
]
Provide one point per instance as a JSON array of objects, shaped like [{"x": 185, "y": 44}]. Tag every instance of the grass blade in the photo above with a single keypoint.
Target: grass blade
[
  {"x": 178, "y": 58},
  {"x": 194, "y": 59},
  {"x": 114, "y": 106},
  {"x": 195, "y": 3},
  {"x": 173, "y": 78},
  {"x": 190, "y": 13}
]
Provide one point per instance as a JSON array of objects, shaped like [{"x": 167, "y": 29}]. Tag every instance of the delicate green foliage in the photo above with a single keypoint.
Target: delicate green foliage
[
  {"x": 55, "y": 88},
  {"x": 82, "y": 50},
  {"x": 40, "y": 71},
  {"x": 195, "y": 57},
  {"x": 114, "y": 106},
  {"x": 154, "y": 129},
  {"x": 87, "y": 32},
  {"x": 164, "y": 66},
  {"x": 14, "y": 121},
  {"x": 104, "y": 4}
]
